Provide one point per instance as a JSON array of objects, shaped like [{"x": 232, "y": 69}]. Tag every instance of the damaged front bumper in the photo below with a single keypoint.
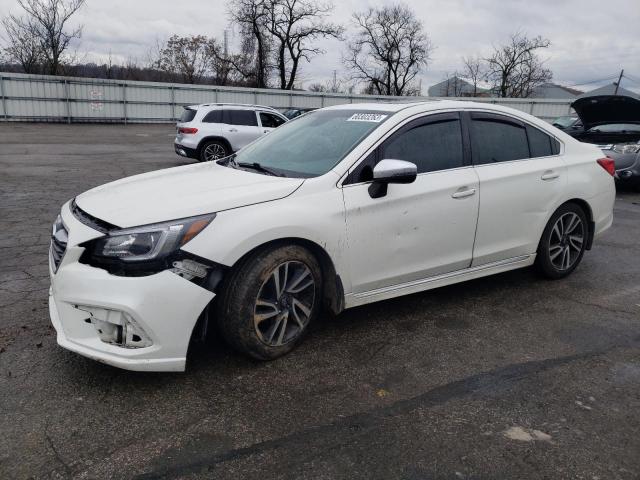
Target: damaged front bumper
[{"x": 136, "y": 323}]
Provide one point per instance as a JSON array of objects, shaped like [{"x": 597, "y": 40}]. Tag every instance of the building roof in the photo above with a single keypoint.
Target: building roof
[{"x": 610, "y": 90}]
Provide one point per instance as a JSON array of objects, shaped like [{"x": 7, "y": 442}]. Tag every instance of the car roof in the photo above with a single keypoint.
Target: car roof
[
  {"x": 424, "y": 105},
  {"x": 239, "y": 106}
]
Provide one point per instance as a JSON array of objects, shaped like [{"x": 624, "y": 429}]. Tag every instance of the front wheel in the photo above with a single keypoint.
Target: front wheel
[
  {"x": 563, "y": 242},
  {"x": 269, "y": 300}
]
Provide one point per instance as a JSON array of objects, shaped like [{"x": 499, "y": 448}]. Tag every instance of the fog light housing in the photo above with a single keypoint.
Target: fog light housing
[{"x": 116, "y": 327}]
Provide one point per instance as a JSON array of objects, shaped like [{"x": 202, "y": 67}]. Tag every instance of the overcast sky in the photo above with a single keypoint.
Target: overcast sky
[{"x": 591, "y": 39}]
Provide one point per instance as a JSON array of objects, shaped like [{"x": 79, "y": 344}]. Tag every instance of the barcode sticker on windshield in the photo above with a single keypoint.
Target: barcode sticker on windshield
[{"x": 367, "y": 117}]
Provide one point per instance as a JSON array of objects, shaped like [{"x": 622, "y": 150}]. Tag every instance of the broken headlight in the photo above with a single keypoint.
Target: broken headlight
[
  {"x": 150, "y": 242},
  {"x": 148, "y": 249}
]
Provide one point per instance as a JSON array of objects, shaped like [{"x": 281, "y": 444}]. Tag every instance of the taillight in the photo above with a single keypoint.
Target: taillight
[
  {"x": 191, "y": 130},
  {"x": 608, "y": 164}
]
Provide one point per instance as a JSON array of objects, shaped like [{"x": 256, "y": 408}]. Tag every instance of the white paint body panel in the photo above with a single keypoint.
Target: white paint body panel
[
  {"x": 179, "y": 192},
  {"x": 415, "y": 231},
  {"x": 415, "y": 238}
]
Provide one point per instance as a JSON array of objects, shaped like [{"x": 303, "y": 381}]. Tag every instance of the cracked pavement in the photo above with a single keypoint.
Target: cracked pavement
[{"x": 510, "y": 376}]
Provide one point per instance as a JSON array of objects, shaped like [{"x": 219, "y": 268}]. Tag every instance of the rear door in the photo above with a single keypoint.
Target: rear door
[
  {"x": 211, "y": 123},
  {"x": 240, "y": 127},
  {"x": 522, "y": 178}
]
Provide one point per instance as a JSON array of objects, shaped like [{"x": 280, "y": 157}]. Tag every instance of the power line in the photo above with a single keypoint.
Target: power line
[
  {"x": 629, "y": 77},
  {"x": 593, "y": 81}
]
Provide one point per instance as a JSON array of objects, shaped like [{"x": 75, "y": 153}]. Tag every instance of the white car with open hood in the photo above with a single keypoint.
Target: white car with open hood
[{"x": 340, "y": 207}]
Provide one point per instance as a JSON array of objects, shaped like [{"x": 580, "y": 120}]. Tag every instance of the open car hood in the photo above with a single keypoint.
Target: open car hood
[
  {"x": 603, "y": 109},
  {"x": 181, "y": 192}
]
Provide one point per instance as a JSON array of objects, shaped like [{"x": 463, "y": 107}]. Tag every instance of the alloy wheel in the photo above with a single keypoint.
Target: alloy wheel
[
  {"x": 214, "y": 151},
  {"x": 566, "y": 241},
  {"x": 284, "y": 303}
]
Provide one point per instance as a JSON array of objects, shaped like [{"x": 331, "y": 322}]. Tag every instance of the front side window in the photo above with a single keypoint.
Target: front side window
[
  {"x": 269, "y": 120},
  {"x": 497, "y": 141},
  {"x": 432, "y": 146},
  {"x": 312, "y": 144}
]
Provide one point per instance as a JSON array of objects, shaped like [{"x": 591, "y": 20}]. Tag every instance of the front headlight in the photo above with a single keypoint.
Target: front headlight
[
  {"x": 150, "y": 242},
  {"x": 627, "y": 148}
]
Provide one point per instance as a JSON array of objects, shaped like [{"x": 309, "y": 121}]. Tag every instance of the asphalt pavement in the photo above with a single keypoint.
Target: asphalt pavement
[{"x": 506, "y": 377}]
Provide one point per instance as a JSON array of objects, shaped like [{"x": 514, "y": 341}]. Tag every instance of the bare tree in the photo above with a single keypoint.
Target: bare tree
[
  {"x": 389, "y": 50},
  {"x": 452, "y": 86},
  {"x": 49, "y": 19},
  {"x": 190, "y": 57},
  {"x": 294, "y": 24},
  {"x": 23, "y": 43},
  {"x": 252, "y": 62},
  {"x": 317, "y": 87},
  {"x": 474, "y": 70},
  {"x": 515, "y": 68}
]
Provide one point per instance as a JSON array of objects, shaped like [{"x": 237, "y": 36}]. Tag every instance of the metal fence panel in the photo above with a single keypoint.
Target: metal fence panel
[{"x": 68, "y": 99}]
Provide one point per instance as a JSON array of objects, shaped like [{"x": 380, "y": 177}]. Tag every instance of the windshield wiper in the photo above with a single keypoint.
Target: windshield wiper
[{"x": 260, "y": 168}]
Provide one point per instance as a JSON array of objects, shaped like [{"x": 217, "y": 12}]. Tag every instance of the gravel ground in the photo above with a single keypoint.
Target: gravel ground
[{"x": 510, "y": 376}]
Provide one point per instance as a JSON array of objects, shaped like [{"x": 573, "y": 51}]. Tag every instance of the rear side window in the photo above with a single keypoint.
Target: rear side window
[
  {"x": 497, "y": 141},
  {"x": 240, "y": 117},
  {"x": 432, "y": 146},
  {"x": 187, "y": 115},
  {"x": 214, "y": 116},
  {"x": 270, "y": 121},
  {"x": 540, "y": 144}
]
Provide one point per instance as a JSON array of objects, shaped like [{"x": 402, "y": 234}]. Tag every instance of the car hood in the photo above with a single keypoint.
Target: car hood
[
  {"x": 603, "y": 109},
  {"x": 181, "y": 192}
]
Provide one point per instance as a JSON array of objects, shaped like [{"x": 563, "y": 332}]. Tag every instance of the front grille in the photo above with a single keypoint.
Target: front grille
[
  {"x": 58, "y": 246},
  {"x": 90, "y": 220}
]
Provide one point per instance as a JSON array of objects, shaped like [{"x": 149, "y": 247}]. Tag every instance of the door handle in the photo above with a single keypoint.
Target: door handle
[
  {"x": 233, "y": 129},
  {"x": 265, "y": 131},
  {"x": 549, "y": 175},
  {"x": 464, "y": 192}
]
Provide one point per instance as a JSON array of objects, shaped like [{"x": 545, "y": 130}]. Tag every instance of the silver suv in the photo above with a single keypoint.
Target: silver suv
[{"x": 214, "y": 130}]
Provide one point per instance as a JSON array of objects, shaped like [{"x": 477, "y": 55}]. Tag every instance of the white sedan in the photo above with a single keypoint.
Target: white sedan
[{"x": 340, "y": 207}]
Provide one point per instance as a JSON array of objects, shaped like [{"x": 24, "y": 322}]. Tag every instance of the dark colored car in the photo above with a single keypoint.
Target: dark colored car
[
  {"x": 296, "y": 112},
  {"x": 613, "y": 123},
  {"x": 567, "y": 123}
]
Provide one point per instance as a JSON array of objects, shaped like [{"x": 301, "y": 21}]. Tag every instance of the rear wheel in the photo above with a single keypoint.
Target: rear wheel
[
  {"x": 213, "y": 150},
  {"x": 269, "y": 301},
  {"x": 563, "y": 242}
]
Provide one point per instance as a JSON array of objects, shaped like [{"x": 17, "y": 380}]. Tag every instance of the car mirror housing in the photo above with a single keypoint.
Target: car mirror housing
[{"x": 391, "y": 171}]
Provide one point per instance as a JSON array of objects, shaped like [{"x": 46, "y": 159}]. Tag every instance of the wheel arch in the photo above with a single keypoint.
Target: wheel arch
[
  {"x": 584, "y": 205},
  {"x": 333, "y": 291},
  {"x": 213, "y": 138}
]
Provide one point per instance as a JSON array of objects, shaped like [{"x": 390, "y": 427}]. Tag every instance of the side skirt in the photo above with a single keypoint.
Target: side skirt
[{"x": 353, "y": 300}]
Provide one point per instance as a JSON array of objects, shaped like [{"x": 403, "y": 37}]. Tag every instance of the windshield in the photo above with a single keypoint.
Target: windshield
[
  {"x": 312, "y": 144},
  {"x": 565, "y": 121},
  {"x": 617, "y": 127}
]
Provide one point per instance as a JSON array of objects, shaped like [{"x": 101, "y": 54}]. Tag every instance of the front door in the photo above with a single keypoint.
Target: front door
[{"x": 416, "y": 230}]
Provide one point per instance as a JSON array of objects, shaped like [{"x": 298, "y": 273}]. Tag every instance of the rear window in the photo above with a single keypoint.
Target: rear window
[
  {"x": 497, "y": 141},
  {"x": 187, "y": 115},
  {"x": 540, "y": 144}
]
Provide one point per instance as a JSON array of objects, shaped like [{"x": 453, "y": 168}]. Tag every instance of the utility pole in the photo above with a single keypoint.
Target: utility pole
[{"x": 619, "y": 80}]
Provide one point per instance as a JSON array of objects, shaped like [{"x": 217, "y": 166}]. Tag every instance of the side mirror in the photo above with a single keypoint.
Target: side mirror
[{"x": 391, "y": 171}]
